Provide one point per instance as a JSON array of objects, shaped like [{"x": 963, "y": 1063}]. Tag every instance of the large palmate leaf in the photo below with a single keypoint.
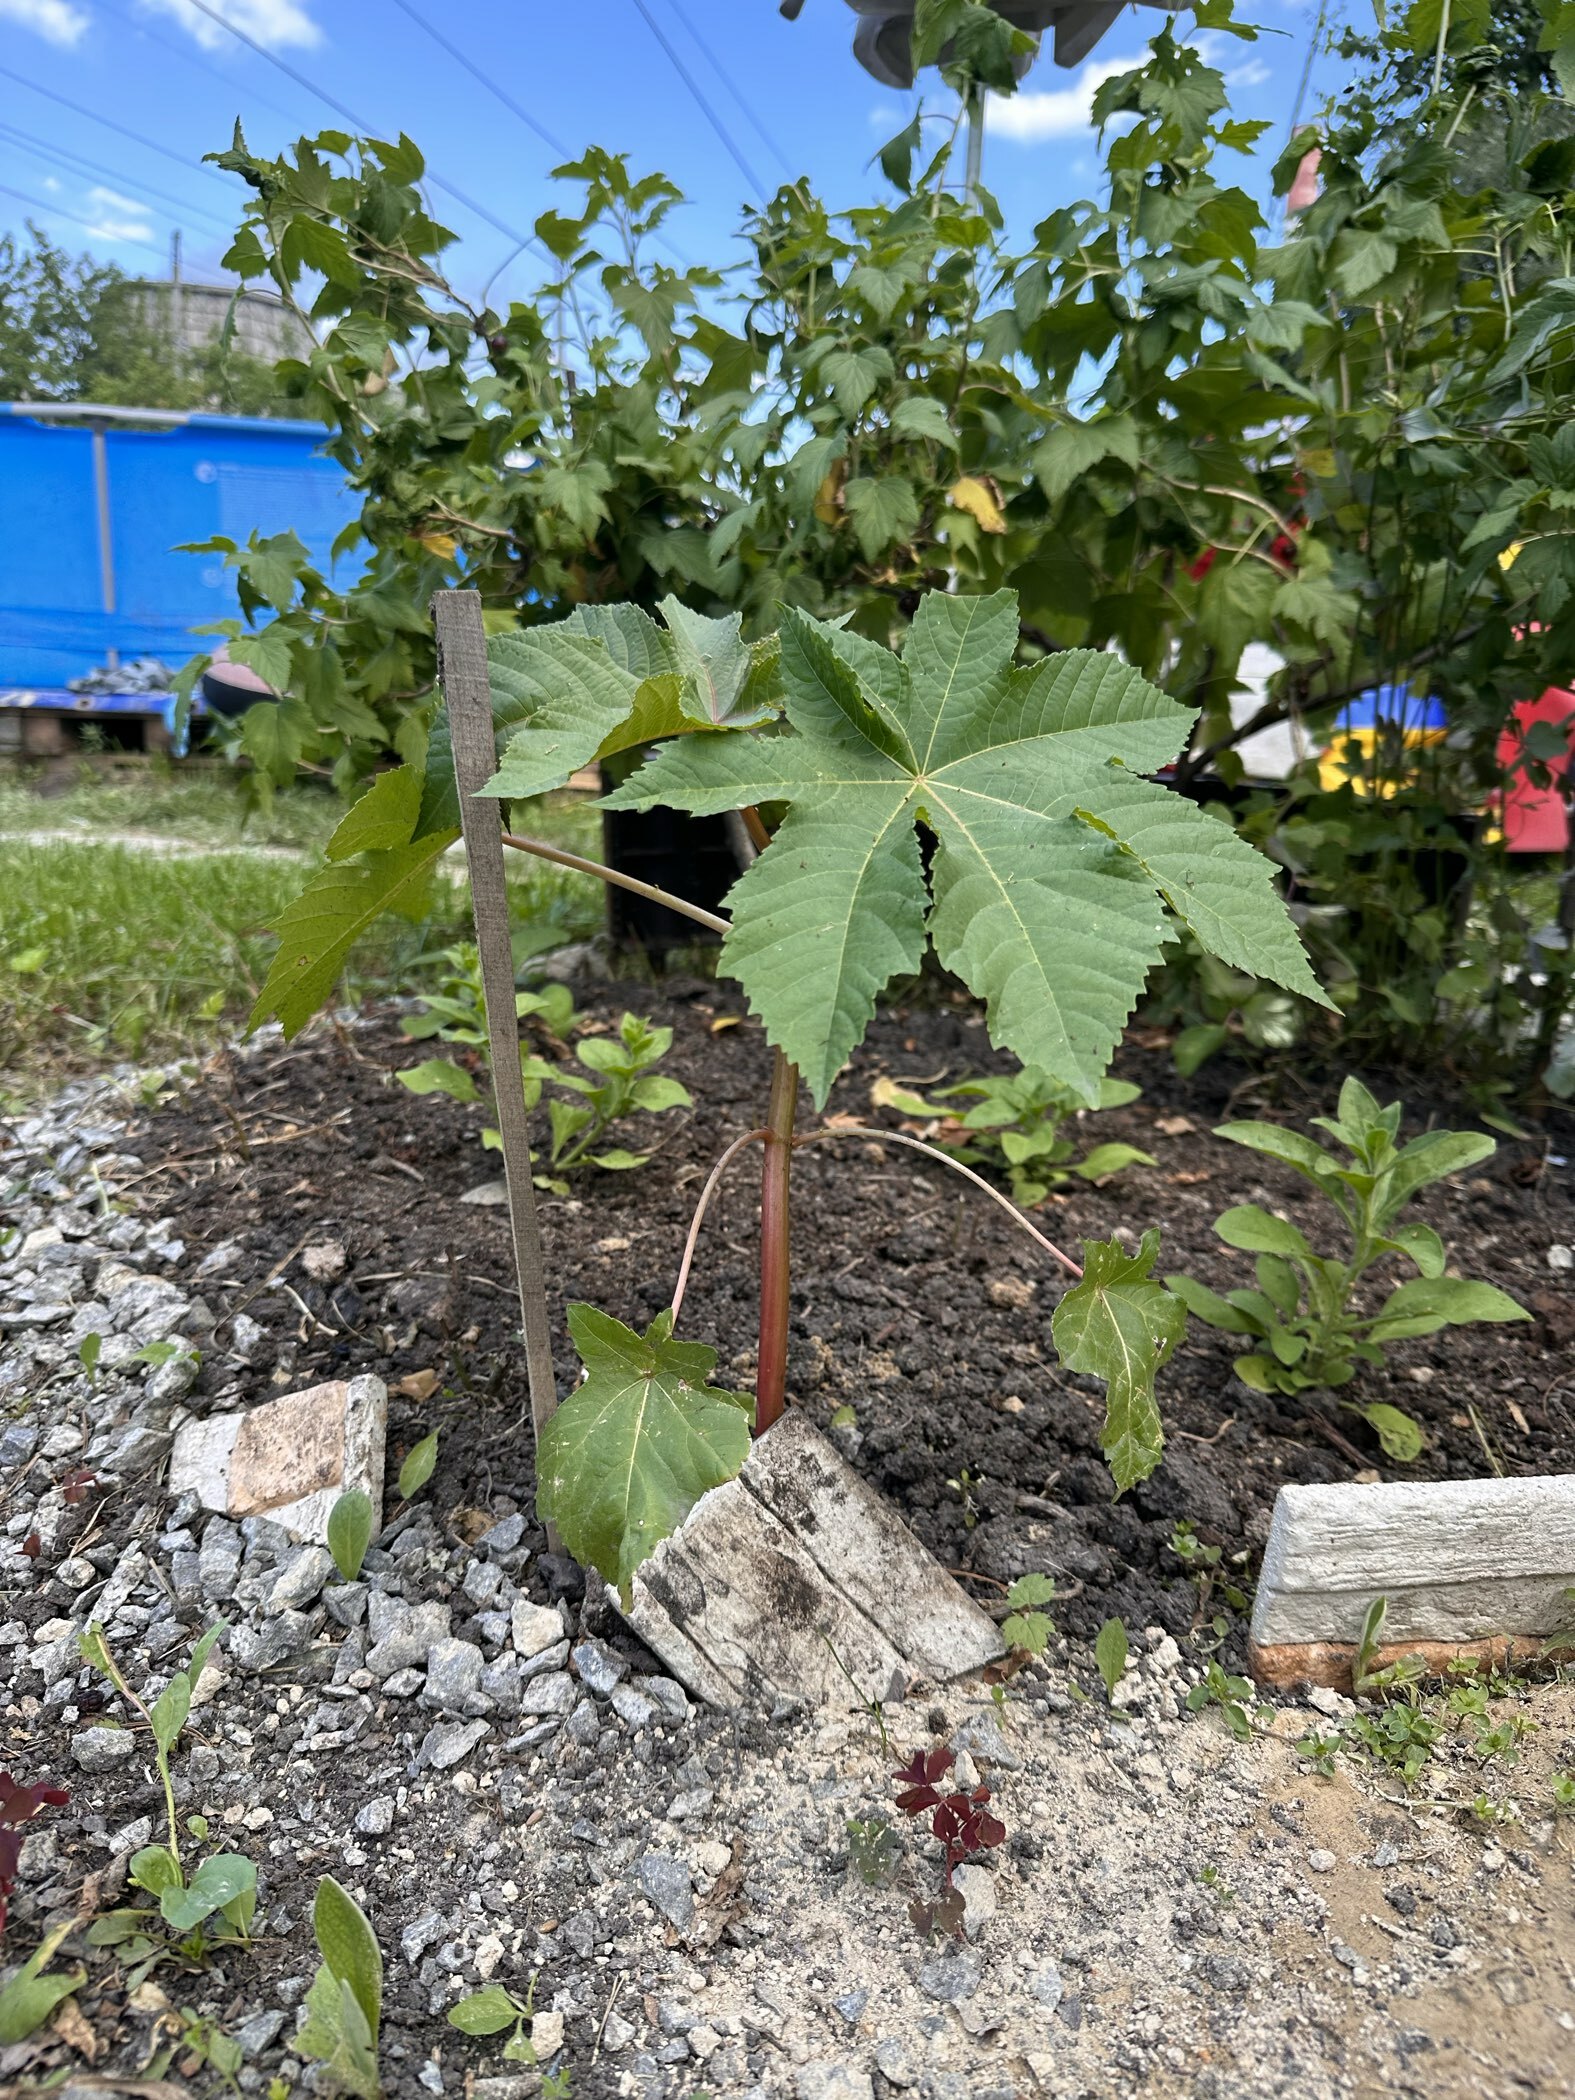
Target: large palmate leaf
[
  {"x": 626, "y": 1457},
  {"x": 1119, "y": 1325},
  {"x": 1054, "y": 855},
  {"x": 608, "y": 679}
]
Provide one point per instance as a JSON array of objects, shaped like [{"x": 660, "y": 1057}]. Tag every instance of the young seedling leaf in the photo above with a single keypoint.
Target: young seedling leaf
[
  {"x": 485, "y": 2012},
  {"x": 417, "y": 1468},
  {"x": 349, "y": 1948},
  {"x": 169, "y": 1711},
  {"x": 627, "y": 1455},
  {"x": 350, "y": 1531},
  {"x": 1121, "y": 1326},
  {"x": 1110, "y": 1654},
  {"x": 1053, "y": 854},
  {"x": 218, "y": 1881},
  {"x": 1400, "y": 1435},
  {"x": 439, "y": 1075}
]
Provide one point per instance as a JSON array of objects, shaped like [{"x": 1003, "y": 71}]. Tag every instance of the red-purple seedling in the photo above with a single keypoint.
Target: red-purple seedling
[
  {"x": 18, "y": 1806},
  {"x": 958, "y": 1819}
]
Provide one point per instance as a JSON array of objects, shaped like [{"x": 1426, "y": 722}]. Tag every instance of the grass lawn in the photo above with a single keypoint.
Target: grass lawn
[{"x": 111, "y": 949}]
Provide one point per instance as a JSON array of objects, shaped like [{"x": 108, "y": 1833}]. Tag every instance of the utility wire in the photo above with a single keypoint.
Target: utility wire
[
  {"x": 58, "y": 211},
  {"x": 732, "y": 87},
  {"x": 485, "y": 79},
  {"x": 79, "y": 109},
  {"x": 79, "y": 162},
  {"x": 760, "y": 189},
  {"x": 361, "y": 123},
  {"x": 183, "y": 51}
]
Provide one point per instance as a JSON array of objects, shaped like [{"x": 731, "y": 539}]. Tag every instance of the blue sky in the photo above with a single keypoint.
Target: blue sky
[{"x": 789, "y": 96}]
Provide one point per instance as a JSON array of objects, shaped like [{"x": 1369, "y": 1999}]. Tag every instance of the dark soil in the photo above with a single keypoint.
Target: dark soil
[{"x": 916, "y": 1303}]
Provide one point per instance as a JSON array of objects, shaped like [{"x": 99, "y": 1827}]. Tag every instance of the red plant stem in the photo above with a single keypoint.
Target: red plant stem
[
  {"x": 771, "y": 1376},
  {"x": 712, "y": 1179}
]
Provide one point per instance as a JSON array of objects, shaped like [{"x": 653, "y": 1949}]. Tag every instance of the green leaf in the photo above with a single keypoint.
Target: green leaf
[
  {"x": 1121, "y": 1326},
  {"x": 168, "y": 1712},
  {"x": 417, "y": 1468},
  {"x": 155, "y": 1868},
  {"x": 1196, "y": 1045},
  {"x": 320, "y": 928},
  {"x": 630, "y": 1452},
  {"x": 218, "y": 1881},
  {"x": 438, "y": 1075},
  {"x": 1210, "y": 1308},
  {"x": 1288, "y": 1146},
  {"x": 350, "y": 1531},
  {"x": 922, "y": 416},
  {"x": 1256, "y": 1230},
  {"x": 1110, "y": 1159},
  {"x": 1400, "y": 1436},
  {"x": 1110, "y": 1653},
  {"x": 1030, "y": 1590},
  {"x": 1072, "y": 448},
  {"x": 485, "y": 2012},
  {"x": 1421, "y": 1243},
  {"x": 1028, "y": 1630},
  {"x": 1432, "y": 1157},
  {"x": 385, "y": 816},
  {"x": 884, "y": 511},
  {"x": 27, "y": 2001},
  {"x": 1050, "y": 918},
  {"x": 1427, "y": 1303},
  {"x": 349, "y": 1947}
]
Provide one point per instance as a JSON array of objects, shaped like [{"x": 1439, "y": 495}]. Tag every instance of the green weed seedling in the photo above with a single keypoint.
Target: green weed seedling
[
  {"x": 1026, "y": 1628},
  {"x": 1231, "y": 1695},
  {"x": 349, "y": 1531},
  {"x": 492, "y": 2010},
  {"x": 344, "y": 2007},
  {"x": 617, "y": 1080},
  {"x": 1110, "y": 1655},
  {"x": 456, "y": 1013},
  {"x": 32, "y": 1994},
  {"x": 1203, "y": 1564},
  {"x": 1014, "y": 1126},
  {"x": 218, "y": 1901},
  {"x": 872, "y": 1850},
  {"x": 1303, "y": 1314}
]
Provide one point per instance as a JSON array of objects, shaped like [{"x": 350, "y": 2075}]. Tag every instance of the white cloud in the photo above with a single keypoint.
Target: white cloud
[
  {"x": 271, "y": 23},
  {"x": 51, "y": 183},
  {"x": 111, "y": 200},
  {"x": 56, "y": 20},
  {"x": 1253, "y": 74},
  {"x": 1034, "y": 114},
  {"x": 107, "y": 227}
]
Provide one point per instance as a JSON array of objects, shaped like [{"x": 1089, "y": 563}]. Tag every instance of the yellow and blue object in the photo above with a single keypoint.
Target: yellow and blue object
[{"x": 1392, "y": 713}]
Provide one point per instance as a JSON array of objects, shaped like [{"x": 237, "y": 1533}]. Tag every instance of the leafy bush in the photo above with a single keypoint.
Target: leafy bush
[{"x": 1304, "y": 1309}]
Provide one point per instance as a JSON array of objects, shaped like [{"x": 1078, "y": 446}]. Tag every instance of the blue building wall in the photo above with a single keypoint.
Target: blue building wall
[{"x": 60, "y": 614}]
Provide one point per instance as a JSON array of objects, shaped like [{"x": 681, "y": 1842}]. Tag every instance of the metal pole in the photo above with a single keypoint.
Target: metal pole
[{"x": 106, "y": 543}]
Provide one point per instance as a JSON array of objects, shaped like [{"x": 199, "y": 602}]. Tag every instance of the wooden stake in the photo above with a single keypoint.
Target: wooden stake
[{"x": 462, "y": 673}]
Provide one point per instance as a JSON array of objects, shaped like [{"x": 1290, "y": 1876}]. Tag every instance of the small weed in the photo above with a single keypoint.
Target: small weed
[
  {"x": 490, "y": 2011},
  {"x": 1203, "y": 1565},
  {"x": 1026, "y": 1628},
  {"x": 959, "y": 1819},
  {"x": 417, "y": 1470},
  {"x": 344, "y": 2007},
  {"x": 1564, "y": 1793},
  {"x": 1232, "y": 1696},
  {"x": 1110, "y": 1654},
  {"x": 18, "y": 1806},
  {"x": 872, "y": 1849},
  {"x": 349, "y": 1531},
  {"x": 27, "y": 2001},
  {"x": 1014, "y": 1126}
]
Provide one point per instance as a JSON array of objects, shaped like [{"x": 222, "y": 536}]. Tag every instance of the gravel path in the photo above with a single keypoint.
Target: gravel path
[{"x": 512, "y": 1787}]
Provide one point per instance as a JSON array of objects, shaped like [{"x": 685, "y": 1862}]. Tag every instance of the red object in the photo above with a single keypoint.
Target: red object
[{"x": 1534, "y": 817}]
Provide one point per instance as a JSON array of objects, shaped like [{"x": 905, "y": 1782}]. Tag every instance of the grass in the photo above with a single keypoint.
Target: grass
[{"x": 108, "y": 952}]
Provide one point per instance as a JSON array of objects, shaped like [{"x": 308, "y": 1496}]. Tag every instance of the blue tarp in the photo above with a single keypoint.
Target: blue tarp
[{"x": 63, "y": 608}]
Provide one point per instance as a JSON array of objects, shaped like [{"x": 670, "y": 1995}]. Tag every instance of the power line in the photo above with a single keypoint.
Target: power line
[
  {"x": 759, "y": 188},
  {"x": 58, "y": 211},
  {"x": 93, "y": 117},
  {"x": 65, "y": 159},
  {"x": 485, "y": 79},
  {"x": 732, "y": 87},
  {"x": 361, "y": 123}
]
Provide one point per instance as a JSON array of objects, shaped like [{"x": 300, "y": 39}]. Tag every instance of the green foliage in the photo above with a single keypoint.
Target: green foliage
[
  {"x": 1110, "y": 1654},
  {"x": 30, "y": 1996},
  {"x": 872, "y": 1850},
  {"x": 418, "y": 1467},
  {"x": 1014, "y": 1126},
  {"x": 1053, "y": 852},
  {"x": 1026, "y": 1627},
  {"x": 616, "y": 1081},
  {"x": 490, "y": 2011},
  {"x": 1119, "y": 1325},
  {"x": 1233, "y": 1696},
  {"x": 636, "y": 1445},
  {"x": 344, "y": 2006},
  {"x": 350, "y": 1531},
  {"x": 1304, "y": 1310}
]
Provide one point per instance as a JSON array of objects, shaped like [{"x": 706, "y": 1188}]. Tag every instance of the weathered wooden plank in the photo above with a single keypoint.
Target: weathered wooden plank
[
  {"x": 795, "y": 1559},
  {"x": 1458, "y": 1563}
]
